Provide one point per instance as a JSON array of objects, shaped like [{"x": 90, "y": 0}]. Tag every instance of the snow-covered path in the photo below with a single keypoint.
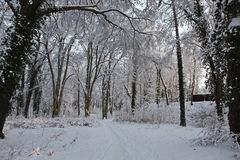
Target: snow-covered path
[
  {"x": 146, "y": 142},
  {"x": 110, "y": 141}
]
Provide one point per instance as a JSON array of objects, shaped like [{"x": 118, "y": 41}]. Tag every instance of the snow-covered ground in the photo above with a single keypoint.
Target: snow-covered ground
[
  {"x": 155, "y": 136},
  {"x": 110, "y": 140}
]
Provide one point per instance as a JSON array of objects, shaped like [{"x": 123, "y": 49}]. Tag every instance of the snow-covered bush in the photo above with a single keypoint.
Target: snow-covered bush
[
  {"x": 150, "y": 114},
  {"x": 236, "y": 146},
  {"x": 33, "y": 123},
  {"x": 214, "y": 134},
  {"x": 201, "y": 115}
]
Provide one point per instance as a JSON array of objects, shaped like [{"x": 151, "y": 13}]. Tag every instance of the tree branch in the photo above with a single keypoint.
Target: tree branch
[
  {"x": 93, "y": 9},
  {"x": 189, "y": 16},
  {"x": 57, "y": 9},
  {"x": 127, "y": 91}
]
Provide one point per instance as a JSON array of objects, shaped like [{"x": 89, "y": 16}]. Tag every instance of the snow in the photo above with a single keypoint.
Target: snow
[
  {"x": 235, "y": 22},
  {"x": 155, "y": 136},
  {"x": 110, "y": 140},
  {"x": 200, "y": 114},
  {"x": 33, "y": 123}
]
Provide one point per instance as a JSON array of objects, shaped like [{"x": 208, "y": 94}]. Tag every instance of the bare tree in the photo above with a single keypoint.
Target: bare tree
[
  {"x": 108, "y": 69},
  {"x": 28, "y": 17},
  {"x": 95, "y": 60},
  {"x": 59, "y": 80}
]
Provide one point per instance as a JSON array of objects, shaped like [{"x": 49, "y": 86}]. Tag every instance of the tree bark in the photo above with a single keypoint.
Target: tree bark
[
  {"x": 134, "y": 75},
  {"x": 89, "y": 72},
  {"x": 134, "y": 90},
  {"x": 37, "y": 98},
  {"x": 20, "y": 97},
  {"x": 158, "y": 87},
  {"x": 165, "y": 87},
  {"x": 78, "y": 99},
  {"x": 29, "y": 93},
  {"x": 233, "y": 65},
  {"x": 104, "y": 97},
  {"x": 193, "y": 79},
  {"x": 180, "y": 69}
]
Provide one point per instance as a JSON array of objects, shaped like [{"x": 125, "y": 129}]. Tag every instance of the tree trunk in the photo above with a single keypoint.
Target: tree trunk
[
  {"x": 78, "y": 99},
  {"x": 5, "y": 103},
  {"x": 108, "y": 95},
  {"x": 56, "y": 106},
  {"x": 106, "y": 88},
  {"x": 165, "y": 87},
  {"x": 134, "y": 80},
  {"x": 2, "y": 121},
  {"x": 217, "y": 76},
  {"x": 93, "y": 58},
  {"x": 158, "y": 87},
  {"x": 87, "y": 105},
  {"x": 89, "y": 76},
  {"x": 20, "y": 97},
  {"x": 134, "y": 92},
  {"x": 193, "y": 79},
  {"x": 37, "y": 98},
  {"x": 19, "y": 43},
  {"x": 103, "y": 107},
  {"x": 218, "y": 97},
  {"x": 180, "y": 69},
  {"x": 59, "y": 82},
  {"x": 233, "y": 65},
  {"x": 112, "y": 97},
  {"x": 103, "y": 97},
  {"x": 32, "y": 80}
]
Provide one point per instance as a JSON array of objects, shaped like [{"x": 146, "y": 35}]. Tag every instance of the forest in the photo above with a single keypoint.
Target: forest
[{"x": 94, "y": 63}]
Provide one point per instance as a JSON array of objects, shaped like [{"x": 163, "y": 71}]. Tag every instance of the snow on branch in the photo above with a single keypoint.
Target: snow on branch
[
  {"x": 93, "y": 9},
  {"x": 235, "y": 22},
  {"x": 57, "y": 9}
]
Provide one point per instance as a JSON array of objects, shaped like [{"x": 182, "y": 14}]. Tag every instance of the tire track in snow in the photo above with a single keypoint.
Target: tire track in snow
[
  {"x": 102, "y": 157},
  {"x": 118, "y": 148},
  {"x": 142, "y": 148}
]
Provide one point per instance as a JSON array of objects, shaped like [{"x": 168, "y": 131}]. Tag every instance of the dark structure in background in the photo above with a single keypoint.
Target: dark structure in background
[{"x": 202, "y": 97}]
